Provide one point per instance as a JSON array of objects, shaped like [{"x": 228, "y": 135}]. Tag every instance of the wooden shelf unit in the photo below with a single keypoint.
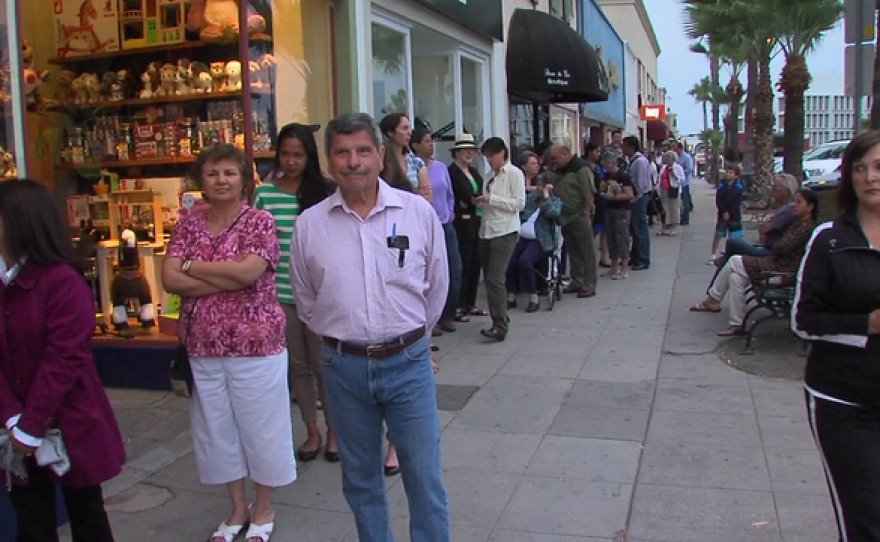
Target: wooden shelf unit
[
  {"x": 143, "y": 163},
  {"x": 183, "y": 46},
  {"x": 143, "y": 102}
]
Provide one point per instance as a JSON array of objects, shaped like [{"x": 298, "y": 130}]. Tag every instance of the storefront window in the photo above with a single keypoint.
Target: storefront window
[
  {"x": 391, "y": 70},
  {"x": 563, "y": 127},
  {"x": 472, "y": 92},
  {"x": 126, "y": 93},
  {"x": 11, "y": 152},
  {"x": 433, "y": 90}
]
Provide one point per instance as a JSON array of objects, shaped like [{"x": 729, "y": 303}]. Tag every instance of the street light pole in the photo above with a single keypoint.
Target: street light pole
[{"x": 859, "y": 75}]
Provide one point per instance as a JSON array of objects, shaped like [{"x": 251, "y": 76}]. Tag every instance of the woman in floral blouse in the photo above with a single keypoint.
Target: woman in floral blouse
[{"x": 221, "y": 260}]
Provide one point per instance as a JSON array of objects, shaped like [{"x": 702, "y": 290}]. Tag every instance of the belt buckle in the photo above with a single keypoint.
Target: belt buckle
[{"x": 373, "y": 348}]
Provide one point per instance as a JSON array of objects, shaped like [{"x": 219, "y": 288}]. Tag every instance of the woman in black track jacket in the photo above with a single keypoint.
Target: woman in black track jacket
[{"x": 837, "y": 308}]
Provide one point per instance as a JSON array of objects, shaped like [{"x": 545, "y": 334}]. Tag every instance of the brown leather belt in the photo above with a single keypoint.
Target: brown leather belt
[{"x": 378, "y": 351}]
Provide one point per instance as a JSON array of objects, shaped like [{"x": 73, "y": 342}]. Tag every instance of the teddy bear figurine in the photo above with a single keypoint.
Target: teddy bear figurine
[
  {"x": 202, "y": 80},
  {"x": 233, "y": 76},
  {"x": 9, "y": 167},
  {"x": 218, "y": 74},
  {"x": 129, "y": 290},
  {"x": 167, "y": 80},
  {"x": 64, "y": 93},
  {"x": 127, "y": 84},
  {"x": 78, "y": 87},
  {"x": 93, "y": 87},
  {"x": 184, "y": 77},
  {"x": 108, "y": 80}
]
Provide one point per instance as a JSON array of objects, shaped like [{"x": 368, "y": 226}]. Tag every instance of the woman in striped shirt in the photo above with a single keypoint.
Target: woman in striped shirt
[{"x": 295, "y": 184}]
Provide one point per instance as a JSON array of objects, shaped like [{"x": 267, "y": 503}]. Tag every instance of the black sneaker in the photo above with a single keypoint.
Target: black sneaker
[
  {"x": 511, "y": 305},
  {"x": 640, "y": 267},
  {"x": 533, "y": 307}
]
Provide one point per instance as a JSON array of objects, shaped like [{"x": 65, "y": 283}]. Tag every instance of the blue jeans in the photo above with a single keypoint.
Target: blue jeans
[
  {"x": 641, "y": 247},
  {"x": 687, "y": 204},
  {"x": 453, "y": 257},
  {"x": 399, "y": 390}
]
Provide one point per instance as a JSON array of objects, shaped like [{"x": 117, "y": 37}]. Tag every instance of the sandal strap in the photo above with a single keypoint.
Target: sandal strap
[
  {"x": 227, "y": 532},
  {"x": 263, "y": 531}
]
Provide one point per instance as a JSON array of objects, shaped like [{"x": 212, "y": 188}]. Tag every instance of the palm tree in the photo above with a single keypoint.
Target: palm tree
[
  {"x": 705, "y": 48},
  {"x": 803, "y": 23},
  {"x": 702, "y": 94},
  {"x": 750, "y": 24},
  {"x": 875, "y": 85},
  {"x": 735, "y": 59}
]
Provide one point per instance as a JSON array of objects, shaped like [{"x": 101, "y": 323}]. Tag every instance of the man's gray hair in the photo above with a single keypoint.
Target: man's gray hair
[
  {"x": 608, "y": 158},
  {"x": 352, "y": 123},
  {"x": 789, "y": 183}
]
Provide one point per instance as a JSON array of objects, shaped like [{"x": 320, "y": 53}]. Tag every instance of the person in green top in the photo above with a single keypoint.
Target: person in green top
[
  {"x": 295, "y": 184},
  {"x": 576, "y": 189}
]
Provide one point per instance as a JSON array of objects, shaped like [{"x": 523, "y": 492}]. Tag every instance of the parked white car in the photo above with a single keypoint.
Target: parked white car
[{"x": 824, "y": 159}]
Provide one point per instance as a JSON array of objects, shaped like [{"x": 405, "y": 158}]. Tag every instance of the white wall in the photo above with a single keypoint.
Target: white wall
[{"x": 631, "y": 71}]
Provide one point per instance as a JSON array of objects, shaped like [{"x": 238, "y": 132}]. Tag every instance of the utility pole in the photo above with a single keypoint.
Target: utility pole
[{"x": 859, "y": 75}]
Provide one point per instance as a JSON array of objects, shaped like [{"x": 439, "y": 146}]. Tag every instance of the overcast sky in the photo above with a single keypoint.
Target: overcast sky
[{"x": 680, "y": 69}]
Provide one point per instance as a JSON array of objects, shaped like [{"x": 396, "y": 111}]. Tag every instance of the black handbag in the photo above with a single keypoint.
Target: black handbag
[
  {"x": 672, "y": 192},
  {"x": 182, "y": 381}
]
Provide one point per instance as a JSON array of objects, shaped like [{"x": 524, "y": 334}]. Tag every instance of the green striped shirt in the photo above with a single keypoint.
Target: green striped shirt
[{"x": 285, "y": 208}]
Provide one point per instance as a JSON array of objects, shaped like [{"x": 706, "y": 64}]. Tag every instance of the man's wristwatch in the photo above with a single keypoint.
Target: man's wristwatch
[{"x": 185, "y": 266}]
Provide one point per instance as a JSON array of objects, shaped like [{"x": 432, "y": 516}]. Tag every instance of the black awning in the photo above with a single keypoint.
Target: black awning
[{"x": 549, "y": 62}]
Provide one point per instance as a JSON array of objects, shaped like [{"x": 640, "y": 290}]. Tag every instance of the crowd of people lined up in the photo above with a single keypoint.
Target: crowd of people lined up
[{"x": 332, "y": 288}]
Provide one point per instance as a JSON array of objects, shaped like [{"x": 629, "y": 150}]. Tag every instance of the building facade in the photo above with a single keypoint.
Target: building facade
[
  {"x": 599, "y": 118},
  {"x": 632, "y": 23},
  {"x": 827, "y": 117}
]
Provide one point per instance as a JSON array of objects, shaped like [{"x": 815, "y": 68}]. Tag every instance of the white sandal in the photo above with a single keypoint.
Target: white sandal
[
  {"x": 227, "y": 532},
  {"x": 263, "y": 532}
]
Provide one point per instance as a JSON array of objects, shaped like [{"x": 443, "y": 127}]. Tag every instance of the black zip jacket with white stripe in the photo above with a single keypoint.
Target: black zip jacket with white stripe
[{"x": 838, "y": 287}]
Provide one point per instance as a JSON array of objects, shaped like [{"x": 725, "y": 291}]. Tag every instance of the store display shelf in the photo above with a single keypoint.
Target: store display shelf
[
  {"x": 186, "y": 45},
  {"x": 155, "y": 101},
  {"x": 129, "y": 52},
  {"x": 109, "y": 164}
]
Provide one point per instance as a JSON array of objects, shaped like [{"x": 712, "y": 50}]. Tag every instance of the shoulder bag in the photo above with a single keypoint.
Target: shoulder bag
[{"x": 182, "y": 381}]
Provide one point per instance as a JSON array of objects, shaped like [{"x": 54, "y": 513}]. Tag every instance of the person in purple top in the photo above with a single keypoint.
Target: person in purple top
[{"x": 422, "y": 144}]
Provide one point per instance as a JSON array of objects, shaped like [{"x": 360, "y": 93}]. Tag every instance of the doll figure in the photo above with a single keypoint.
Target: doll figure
[
  {"x": 130, "y": 291},
  {"x": 233, "y": 76}
]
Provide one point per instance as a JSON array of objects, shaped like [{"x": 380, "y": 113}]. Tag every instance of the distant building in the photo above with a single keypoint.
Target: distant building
[{"x": 827, "y": 117}]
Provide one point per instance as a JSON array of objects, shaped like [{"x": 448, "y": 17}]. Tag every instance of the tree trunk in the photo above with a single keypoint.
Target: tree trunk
[
  {"x": 731, "y": 123},
  {"x": 875, "y": 85},
  {"x": 715, "y": 76},
  {"x": 764, "y": 120},
  {"x": 705, "y": 115},
  {"x": 749, "y": 150},
  {"x": 794, "y": 82}
]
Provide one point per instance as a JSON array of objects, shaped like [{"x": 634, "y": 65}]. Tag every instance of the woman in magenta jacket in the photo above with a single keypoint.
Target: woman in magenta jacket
[{"x": 47, "y": 374}]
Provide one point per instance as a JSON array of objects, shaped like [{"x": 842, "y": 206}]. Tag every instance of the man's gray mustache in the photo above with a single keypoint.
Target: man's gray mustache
[{"x": 354, "y": 171}]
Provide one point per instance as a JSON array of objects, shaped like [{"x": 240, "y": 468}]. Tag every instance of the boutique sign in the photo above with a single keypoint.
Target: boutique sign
[
  {"x": 483, "y": 16},
  {"x": 558, "y": 78}
]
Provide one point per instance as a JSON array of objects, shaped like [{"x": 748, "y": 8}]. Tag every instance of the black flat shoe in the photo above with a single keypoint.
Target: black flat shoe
[
  {"x": 331, "y": 457},
  {"x": 533, "y": 307},
  {"x": 435, "y": 348},
  {"x": 306, "y": 456},
  {"x": 392, "y": 471},
  {"x": 511, "y": 305},
  {"x": 494, "y": 334}
]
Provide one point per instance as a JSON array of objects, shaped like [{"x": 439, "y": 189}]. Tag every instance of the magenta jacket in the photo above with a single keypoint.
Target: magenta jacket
[{"x": 47, "y": 373}]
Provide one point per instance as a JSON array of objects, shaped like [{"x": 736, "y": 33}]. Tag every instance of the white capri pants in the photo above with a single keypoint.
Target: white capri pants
[
  {"x": 672, "y": 206},
  {"x": 734, "y": 279},
  {"x": 240, "y": 417}
]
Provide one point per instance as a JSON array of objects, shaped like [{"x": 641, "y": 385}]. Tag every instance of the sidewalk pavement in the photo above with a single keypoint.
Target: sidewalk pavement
[{"x": 610, "y": 418}]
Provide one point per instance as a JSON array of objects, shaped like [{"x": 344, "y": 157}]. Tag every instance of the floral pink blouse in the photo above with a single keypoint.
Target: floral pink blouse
[{"x": 245, "y": 323}]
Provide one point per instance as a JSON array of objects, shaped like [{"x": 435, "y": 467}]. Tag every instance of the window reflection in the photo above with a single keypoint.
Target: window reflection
[{"x": 390, "y": 71}]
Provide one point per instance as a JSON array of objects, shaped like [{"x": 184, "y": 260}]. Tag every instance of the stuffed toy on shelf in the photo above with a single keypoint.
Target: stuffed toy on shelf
[{"x": 130, "y": 292}]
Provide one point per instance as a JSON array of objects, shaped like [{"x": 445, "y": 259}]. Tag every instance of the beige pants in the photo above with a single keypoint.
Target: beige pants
[
  {"x": 734, "y": 279},
  {"x": 672, "y": 206},
  {"x": 304, "y": 358}
]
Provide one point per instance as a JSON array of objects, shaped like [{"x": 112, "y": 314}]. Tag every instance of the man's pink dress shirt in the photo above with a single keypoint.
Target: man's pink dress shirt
[{"x": 350, "y": 286}]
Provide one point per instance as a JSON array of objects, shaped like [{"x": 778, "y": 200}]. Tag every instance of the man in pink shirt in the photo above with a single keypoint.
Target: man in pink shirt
[{"x": 369, "y": 273}]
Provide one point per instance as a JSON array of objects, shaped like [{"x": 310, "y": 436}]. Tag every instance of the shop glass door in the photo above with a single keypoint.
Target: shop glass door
[
  {"x": 392, "y": 70},
  {"x": 12, "y": 161},
  {"x": 474, "y": 102}
]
